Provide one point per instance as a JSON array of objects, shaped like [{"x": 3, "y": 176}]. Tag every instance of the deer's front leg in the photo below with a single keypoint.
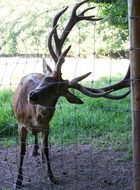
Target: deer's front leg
[
  {"x": 45, "y": 155},
  {"x": 22, "y": 135}
]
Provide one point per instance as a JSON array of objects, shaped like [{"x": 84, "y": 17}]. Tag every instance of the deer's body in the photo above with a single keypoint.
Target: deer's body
[
  {"x": 37, "y": 94},
  {"x": 34, "y": 118}
]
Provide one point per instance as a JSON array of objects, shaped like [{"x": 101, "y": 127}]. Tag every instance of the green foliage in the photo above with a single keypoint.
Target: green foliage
[
  {"x": 25, "y": 25},
  {"x": 116, "y": 13},
  {"x": 113, "y": 41},
  {"x": 112, "y": 33}
]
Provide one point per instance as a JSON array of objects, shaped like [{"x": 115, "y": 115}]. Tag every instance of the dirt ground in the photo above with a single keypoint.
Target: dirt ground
[{"x": 77, "y": 167}]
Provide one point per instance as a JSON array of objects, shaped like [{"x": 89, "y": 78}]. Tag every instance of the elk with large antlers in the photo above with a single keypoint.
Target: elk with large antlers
[{"x": 36, "y": 95}]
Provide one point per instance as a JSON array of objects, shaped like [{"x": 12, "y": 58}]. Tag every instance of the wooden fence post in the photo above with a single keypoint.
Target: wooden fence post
[{"x": 134, "y": 31}]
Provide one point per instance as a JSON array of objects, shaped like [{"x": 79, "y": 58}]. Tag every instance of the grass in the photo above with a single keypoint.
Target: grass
[
  {"x": 7, "y": 120},
  {"x": 98, "y": 120}
]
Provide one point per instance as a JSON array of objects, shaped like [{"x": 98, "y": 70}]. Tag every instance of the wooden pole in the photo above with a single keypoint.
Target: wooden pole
[{"x": 134, "y": 28}]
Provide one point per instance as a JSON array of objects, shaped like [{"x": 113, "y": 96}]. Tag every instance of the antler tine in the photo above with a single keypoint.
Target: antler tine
[
  {"x": 79, "y": 5},
  {"x": 61, "y": 59},
  {"x": 76, "y": 80},
  {"x": 84, "y": 11},
  {"x": 108, "y": 95},
  {"x": 53, "y": 54},
  {"x": 48, "y": 69},
  {"x": 89, "y": 18},
  {"x": 81, "y": 16},
  {"x": 120, "y": 85},
  {"x": 97, "y": 94},
  {"x": 117, "y": 97},
  {"x": 56, "y": 38},
  {"x": 56, "y": 18},
  {"x": 124, "y": 83}
]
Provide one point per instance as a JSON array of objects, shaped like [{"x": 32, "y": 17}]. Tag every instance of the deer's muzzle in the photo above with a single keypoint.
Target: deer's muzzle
[{"x": 32, "y": 97}]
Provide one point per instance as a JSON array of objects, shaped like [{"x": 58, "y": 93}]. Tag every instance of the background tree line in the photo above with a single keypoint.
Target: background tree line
[{"x": 25, "y": 25}]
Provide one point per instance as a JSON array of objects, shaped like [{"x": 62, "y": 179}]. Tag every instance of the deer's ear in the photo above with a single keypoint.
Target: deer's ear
[{"x": 73, "y": 99}]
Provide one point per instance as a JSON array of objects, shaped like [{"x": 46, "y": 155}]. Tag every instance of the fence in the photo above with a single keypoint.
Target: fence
[{"x": 90, "y": 144}]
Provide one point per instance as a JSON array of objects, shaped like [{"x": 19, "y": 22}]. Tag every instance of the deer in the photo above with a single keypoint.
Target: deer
[{"x": 36, "y": 96}]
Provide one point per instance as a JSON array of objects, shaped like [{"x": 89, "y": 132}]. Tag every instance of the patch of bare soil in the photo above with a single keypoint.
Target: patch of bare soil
[{"x": 77, "y": 167}]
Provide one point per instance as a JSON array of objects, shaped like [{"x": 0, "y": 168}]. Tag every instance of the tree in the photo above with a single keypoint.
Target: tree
[
  {"x": 113, "y": 30},
  {"x": 25, "y": 25}
]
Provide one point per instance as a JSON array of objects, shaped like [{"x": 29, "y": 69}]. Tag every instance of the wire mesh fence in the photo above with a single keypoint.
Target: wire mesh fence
[{"x": 90, "y": 144}]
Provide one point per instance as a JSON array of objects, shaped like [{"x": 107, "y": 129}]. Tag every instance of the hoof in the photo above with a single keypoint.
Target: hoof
[
  {"x": 35, "y": 153},
  {"x": 54, "y": 180},
  {"x": 18, "y": 184}
]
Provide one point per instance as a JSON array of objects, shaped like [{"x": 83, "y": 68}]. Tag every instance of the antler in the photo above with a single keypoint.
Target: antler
[
  {"x": 124, "y": 83},
  {"x": 59, "y": 41},
  {"x": 60, "y": 61},
  {"x": 103, "y": 92}
]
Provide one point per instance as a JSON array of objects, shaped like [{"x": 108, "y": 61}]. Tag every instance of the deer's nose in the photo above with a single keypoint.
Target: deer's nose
[{"x": 33, "y": 97}]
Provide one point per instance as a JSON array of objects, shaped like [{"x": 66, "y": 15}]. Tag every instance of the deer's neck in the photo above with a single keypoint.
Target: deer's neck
[{"x": 45, "y": 113}]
